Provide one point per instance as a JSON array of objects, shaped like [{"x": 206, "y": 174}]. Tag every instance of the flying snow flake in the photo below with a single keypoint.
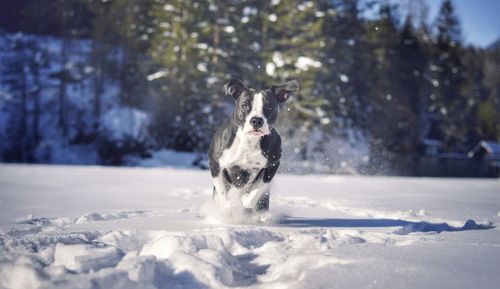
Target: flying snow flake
[
  {"x": 156, "y": 75},
  {"x": 305, "y": 5},
  {"x": 278, "y": 59},
  {"x": 344, "y": 78},
  {"x": 272, "y": 17},
  {"x": 213, "y": 7},
  {"x": 270, "y": 69},
  {"x": 207, "y": 109},
  {"x": 319, "y": 14},
  {"x": 202, "y": 67},
  {"x": 255, "y": 46},
  {"x": 245, "y": 19},
  {"x": 88, "y": 69},
  {"x": 168, "y": 7},
  {"x": 435, "y": 82},
  {"x": 202, "y": 46},
  {"x": 388, "y": 97},
  {"x": 304, "y": 63},
  {"x": 324, "y": 120},
  {"x": 320, "y": 112},
  {"x": 443, "y": 111},
  {"x": 221, "y": 52},
  {"x": 229, "y": 29},
  {"x": 249, "y": 11},
  {"x": 351, "y": 42},
  {"x": 211, "y": 80},
  {"x": 275, "y": 2}
]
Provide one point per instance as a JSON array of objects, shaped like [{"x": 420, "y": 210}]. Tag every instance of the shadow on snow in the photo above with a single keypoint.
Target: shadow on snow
[{"x": 406, "y": 226}]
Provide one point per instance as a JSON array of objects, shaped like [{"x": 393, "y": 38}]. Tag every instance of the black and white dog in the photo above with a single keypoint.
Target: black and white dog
[{"x": 245, "y": 151}]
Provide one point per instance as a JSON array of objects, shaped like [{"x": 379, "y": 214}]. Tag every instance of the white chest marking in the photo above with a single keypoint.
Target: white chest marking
[{"x": 244, "y": 152}]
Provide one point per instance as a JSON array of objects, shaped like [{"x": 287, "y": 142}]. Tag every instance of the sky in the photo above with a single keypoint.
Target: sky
[{"x": 480, "y": 19}]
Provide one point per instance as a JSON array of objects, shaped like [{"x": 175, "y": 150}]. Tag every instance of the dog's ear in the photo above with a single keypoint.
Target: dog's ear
[
  {"x": 234, "y": 88},
  {"x": 282, "y": 91}
]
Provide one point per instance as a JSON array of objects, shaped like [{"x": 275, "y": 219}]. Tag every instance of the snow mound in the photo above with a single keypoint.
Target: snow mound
[
  {"x": 109, "y": 216},
  {"x": 83, "y": 257},
  {"x": 412, "y": 227}
]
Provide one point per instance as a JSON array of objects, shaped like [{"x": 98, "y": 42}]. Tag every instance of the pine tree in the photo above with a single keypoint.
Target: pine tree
[
  {"x": 488, "y": 112},
  {"x": 347, "y": 55},
  {"x": 292, "y": 49},
  {"x": 447, "y": 76},
  {"x": 392, "y": 73},
  {"x": 412, "y": 65},
  {"x": 15, "y": 144},
  {"x": 180, "y": 121}
]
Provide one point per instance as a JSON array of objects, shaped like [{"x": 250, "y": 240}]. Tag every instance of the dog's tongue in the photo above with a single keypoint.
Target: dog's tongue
[{"x": 256, "y": 132}]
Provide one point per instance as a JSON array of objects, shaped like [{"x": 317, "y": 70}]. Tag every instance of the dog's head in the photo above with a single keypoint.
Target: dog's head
[{"x": 257, "y": 110}]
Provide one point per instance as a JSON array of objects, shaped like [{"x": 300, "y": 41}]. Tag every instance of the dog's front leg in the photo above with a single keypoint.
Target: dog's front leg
[
  {"x": 221, "y": 184},
  {"x": 259, "y": 189}
]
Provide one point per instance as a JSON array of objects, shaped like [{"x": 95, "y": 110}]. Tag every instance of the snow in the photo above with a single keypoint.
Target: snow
[
  {"x": 170, "y": 158},
  {"x": 344, "y": 78},
  {"x": 272, "y": 17},
  {"x": 122, "y": 123},
  {"x": 156, "y": 75},
  {"x": 304, "y": 63},
  {"x": 278, "y": 59},
  {"x": 97, "y": 227},
  {"x": 270, "y": 69}
]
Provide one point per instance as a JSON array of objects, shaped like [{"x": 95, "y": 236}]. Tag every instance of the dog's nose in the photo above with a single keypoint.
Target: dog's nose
[{"x": 256, "y": 122}]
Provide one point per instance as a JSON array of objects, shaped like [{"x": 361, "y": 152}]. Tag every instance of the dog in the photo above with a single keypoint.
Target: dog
[{"x": 245, "y": 151}]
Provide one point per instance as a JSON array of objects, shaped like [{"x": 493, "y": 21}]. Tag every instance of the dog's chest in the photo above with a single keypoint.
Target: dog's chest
[{"x": 245, "y": 152}]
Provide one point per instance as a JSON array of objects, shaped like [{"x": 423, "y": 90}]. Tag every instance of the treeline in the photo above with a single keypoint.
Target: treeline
[{"x": 373, "y": 68}]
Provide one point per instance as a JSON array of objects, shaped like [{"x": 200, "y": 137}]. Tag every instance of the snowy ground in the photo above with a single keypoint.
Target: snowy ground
[{"x": 94, "y": 227}]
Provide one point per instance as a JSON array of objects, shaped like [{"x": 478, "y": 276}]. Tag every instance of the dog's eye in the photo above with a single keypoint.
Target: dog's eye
[
  {"x": 269, "y": 107},
  {"x": 244, "y": 106}
]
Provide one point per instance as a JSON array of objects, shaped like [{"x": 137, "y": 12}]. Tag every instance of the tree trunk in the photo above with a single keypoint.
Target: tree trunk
[
  {"x": 24, "y": 119},
  {"x": 98, "y": 84},
  {"x": 36, "y": 109},
  {"x": 62, "y": 91}
]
